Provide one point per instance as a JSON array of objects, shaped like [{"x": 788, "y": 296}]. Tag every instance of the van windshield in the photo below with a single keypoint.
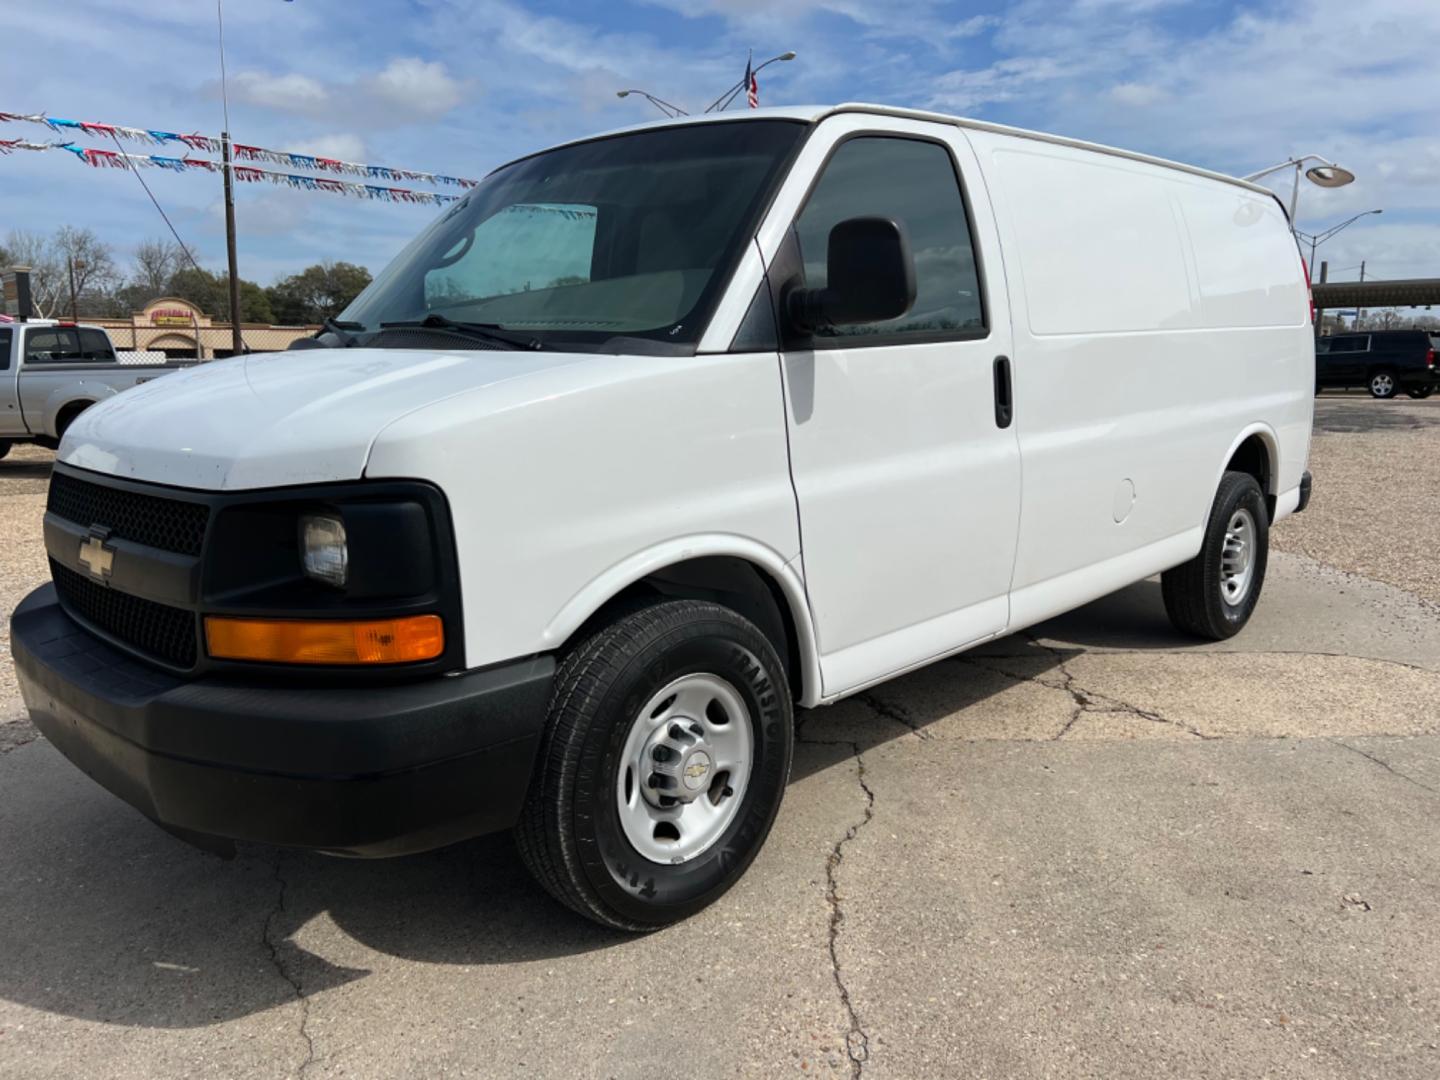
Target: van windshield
[{"x": 622, "y": 237}]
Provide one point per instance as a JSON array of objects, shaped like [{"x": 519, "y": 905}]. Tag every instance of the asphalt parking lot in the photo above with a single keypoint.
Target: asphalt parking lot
[{"x": 1093, "y": 850}]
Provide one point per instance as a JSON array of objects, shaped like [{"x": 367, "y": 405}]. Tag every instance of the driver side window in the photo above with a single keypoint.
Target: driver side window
[{"x": 913, "y": 182}]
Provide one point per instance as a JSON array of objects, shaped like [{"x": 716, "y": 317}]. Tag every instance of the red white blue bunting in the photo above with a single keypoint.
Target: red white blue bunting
[
  {"x": 211, "y": 145},
  {"x": 115, "y": 159}
]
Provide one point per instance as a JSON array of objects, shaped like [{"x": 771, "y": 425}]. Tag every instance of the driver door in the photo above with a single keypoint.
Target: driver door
[{"x": 906, "y": 474}]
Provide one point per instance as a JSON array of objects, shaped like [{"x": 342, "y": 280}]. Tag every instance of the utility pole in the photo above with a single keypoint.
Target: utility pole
[
  {"x": 74, "y": 310},
  {"x": 237, "y": 342},
  {"x": 1360, "y": 311}
]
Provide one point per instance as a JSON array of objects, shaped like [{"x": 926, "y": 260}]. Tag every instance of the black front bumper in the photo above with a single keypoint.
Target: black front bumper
[{"x": 373, "y": 770}]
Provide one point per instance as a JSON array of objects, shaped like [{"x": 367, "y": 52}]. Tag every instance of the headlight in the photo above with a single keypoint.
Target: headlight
[{"x": 323, "y": 551}]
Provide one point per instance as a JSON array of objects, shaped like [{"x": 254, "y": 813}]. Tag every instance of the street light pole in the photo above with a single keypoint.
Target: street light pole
[
  {"x": 671, "y": 111},
  {"x": 721, "y": 103},
  {"x": 1316, "y": 239},
  {"x": 1326, "y": 174}
]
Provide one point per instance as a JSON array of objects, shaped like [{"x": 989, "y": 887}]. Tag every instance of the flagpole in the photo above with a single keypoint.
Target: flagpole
[{"x": 721, "y": 103}]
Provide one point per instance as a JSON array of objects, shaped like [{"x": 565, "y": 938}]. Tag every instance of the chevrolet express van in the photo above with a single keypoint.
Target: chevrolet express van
[{"x": 648, "y": 441}]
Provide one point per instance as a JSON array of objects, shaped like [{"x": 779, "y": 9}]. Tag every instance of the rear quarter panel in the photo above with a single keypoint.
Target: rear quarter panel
[{"x": 1159, "y": 317}]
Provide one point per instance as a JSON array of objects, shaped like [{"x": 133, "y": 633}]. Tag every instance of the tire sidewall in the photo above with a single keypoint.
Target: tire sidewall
[
  {"x": 634, "y": 888},
  {"x": 1240, "y": 491}
]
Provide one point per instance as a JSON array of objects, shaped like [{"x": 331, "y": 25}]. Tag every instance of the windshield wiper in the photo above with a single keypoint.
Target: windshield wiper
[
  {"x": 342, "y": 331},
  {"x": 482, "y": 331}
]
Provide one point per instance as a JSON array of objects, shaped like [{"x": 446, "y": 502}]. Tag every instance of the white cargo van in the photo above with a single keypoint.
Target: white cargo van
[{"x": 650, "y": 439}]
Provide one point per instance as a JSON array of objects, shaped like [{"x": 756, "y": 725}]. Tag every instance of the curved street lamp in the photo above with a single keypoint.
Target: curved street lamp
[
  {"x": 721, "y": 103},
  {"x": 1316, "y": 239},
  {"x": 1326, "y": 174},
  {"x": 672, "y": 111}
]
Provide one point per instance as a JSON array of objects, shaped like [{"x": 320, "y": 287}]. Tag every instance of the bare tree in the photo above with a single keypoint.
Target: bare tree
[
  {"x": 48, "y": 283},
  {"x": 155, "y": 264},
  {"x": 88, "y": 263}
]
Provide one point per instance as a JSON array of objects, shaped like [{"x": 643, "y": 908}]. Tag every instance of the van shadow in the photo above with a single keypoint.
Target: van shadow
[
  {"x": 105, "y": 917},
  {"x": 1133, "y": 618}
]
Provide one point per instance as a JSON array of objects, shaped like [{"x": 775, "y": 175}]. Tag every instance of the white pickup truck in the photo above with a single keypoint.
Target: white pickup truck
[
  {"x": 649, "y": 440},
  {"x": 51, "y": 372}
]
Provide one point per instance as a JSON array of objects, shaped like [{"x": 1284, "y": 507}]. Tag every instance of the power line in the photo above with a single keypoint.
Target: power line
[{"x": 184, "y": 250}]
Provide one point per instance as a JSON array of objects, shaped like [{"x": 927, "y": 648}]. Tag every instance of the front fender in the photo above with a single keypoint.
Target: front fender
[{"x": 600, "y": 590}]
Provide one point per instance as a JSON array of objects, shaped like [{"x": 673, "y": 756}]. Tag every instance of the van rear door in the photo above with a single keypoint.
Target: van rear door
[{"x": 906, "y": 474}]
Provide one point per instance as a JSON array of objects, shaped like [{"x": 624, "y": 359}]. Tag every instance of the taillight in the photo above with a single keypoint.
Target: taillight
[
  {"x": 1309, "y": 292},
  {"x": 1430, "y": 358}
]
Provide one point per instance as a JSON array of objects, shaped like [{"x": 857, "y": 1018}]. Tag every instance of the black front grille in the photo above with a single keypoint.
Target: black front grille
[
  {"x": 157, "y": 630},
  {"x": 168, "y": 524}
]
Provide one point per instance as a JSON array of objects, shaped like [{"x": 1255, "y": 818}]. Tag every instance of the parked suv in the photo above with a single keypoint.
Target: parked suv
[{"x": 1383, "y": 361}]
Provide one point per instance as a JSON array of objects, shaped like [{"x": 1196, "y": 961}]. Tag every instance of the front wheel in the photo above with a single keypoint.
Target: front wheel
[
  {"x": 1214, "y": 594},
  {"x": 1419, "y": 393},
  {"x": 1382, "y": 384},
  {"x": 665, "y": 757}
]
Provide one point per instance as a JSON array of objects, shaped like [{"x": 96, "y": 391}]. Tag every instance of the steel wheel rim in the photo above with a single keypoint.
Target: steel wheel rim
[
  {"x": 1237, "y": 558},
  {"x": 1382, "y": 385},
  {"x": 684, "y": 769}
]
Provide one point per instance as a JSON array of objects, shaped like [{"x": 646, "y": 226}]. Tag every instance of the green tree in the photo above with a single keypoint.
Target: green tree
[
  {"x": 316, "y": 293},
  {"x": 211, "y": 294}
]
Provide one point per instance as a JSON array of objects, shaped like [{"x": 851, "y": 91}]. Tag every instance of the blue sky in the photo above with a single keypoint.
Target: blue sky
[{"x": 459, "y": 86}]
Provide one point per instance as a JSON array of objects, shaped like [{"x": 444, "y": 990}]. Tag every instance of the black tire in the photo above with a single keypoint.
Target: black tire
[
  {"x": 570, "y": 833},
  {"x": 1382, "y": 384},
  {"x": 1194, "y": 592},
  {"x": 1419, "y": 393},
  {"x": 5, "y": 445}
]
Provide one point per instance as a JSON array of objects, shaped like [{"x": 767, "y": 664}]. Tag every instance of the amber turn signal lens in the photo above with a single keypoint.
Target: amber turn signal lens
[{"x": 312, "y": 641}]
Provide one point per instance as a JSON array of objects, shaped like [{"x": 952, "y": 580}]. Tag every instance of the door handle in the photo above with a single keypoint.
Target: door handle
[{"x": 1004, "y": 406}]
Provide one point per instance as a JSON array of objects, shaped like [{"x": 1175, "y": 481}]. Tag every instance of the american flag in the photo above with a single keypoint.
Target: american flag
[{"x": 752, "y": 86}]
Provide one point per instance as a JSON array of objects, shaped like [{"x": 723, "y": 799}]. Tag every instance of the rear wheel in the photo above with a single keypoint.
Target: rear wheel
[
  {"x": 1214, "y": 594},
  {"x": 1382, "y": 384},
  {"x": 663, "y": 765},
  {"x": 1420, "y": 392},
  {"x": 67, "y": 417}
]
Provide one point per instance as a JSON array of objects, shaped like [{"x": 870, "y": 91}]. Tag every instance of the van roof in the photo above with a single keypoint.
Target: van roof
[{"x": 815, "y": 113}]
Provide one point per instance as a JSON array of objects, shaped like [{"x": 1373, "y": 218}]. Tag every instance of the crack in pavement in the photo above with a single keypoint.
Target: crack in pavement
[
  {"x": 857, "y": 1042},
  {"x": 1384, "y": 765},
  {"x": 268, "y": 940},
  {"x": 891, "y": 711},
  {"x": 1085, "y": 701}
]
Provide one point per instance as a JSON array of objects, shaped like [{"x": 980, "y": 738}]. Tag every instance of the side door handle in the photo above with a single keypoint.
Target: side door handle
[{"x": 1004, "y": 405}]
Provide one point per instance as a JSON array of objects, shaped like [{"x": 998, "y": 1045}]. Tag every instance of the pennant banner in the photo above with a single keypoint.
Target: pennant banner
[
  {"x": 249, "y": 174},
  {"x": 210, "y": 145}
]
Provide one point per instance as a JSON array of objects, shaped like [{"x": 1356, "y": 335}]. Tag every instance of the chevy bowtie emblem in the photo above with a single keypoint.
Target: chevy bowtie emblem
[{"x": 98, "y": 558}]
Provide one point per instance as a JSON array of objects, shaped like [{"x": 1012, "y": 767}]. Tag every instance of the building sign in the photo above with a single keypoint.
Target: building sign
[
  {"x": 171, "y": 317},
  {"x": 171, "y": 312}
]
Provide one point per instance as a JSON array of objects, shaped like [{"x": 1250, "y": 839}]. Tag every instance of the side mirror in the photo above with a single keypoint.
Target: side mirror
[{"x": 869, "y": 277}]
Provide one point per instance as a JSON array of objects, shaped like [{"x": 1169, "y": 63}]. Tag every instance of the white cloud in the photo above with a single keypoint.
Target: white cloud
[
  {"x": 424, "y": 87},
  {"x": 407, "y": 91},
  {"x": 1137, "y": 94},
  {"x": 290, "y": 93},
  {"x": 341, "y": 146}
]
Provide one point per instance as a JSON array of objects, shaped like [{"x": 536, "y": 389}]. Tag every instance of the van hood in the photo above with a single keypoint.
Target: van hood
[{"x": 274, "y": 419}]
